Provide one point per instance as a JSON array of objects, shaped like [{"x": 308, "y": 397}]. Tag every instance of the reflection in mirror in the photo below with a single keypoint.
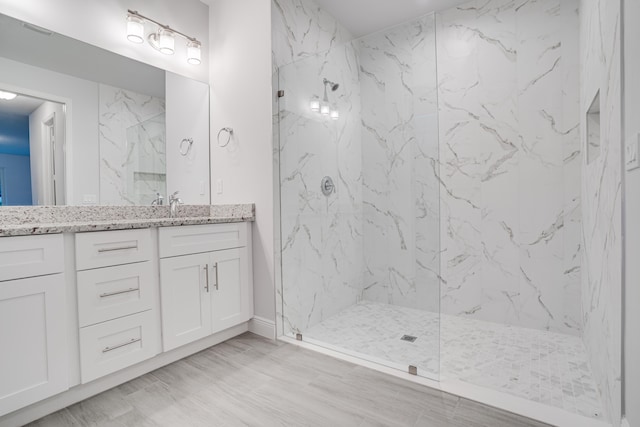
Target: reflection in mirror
[
  {"x": 32, "y": 151},
  {"x": 132, "y": 147},
  {"x": 112, "y": 151}
]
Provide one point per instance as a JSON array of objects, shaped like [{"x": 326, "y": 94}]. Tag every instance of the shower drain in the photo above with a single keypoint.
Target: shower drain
[{"x": 409, "y": 338}]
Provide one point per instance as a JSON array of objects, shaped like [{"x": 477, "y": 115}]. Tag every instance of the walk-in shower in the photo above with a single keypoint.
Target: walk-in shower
[{"x": 450, "y": 244}]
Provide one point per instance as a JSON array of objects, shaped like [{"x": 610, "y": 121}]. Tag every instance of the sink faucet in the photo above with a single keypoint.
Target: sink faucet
[
  {"x": 174, "y": 201},
  {"x": 158, "y": 200}
]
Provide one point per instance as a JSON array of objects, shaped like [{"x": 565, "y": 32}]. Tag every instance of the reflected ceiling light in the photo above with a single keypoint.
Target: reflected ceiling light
[
  {"x": 7, "y": 96},
  {"x": 163, "y": 39},
  {"x": 314, "y": 104},
  {"x": 335, "y": 114},
  {"x": 324, "y": 107}
]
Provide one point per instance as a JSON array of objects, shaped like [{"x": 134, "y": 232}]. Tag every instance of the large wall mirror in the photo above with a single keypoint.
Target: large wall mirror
[{"x": 81, "y": 125}]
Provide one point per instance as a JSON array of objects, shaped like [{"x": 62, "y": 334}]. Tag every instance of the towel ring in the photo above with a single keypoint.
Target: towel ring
[
  {"x": 229, "y": 135},
  {"x": 189, "y": 141}
]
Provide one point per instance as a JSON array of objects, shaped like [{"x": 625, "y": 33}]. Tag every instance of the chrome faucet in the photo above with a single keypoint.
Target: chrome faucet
[
  {"x": 174, "y": 201},
  {"x": 158, "y": 200}
]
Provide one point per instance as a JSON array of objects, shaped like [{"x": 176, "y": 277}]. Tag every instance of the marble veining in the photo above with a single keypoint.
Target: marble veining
[
  {"x": 27, "y": 220},
  {"x": 464, "y": 191},
  {"x": 510, "y": 159},
  {"x": 602, "y": 194},
  {"x": 542, "y": 366},
  {"x": 132, "y": 147}
]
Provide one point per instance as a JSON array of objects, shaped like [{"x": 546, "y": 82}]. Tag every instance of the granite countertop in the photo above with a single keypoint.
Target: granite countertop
[{"x": 31, "y": 220}]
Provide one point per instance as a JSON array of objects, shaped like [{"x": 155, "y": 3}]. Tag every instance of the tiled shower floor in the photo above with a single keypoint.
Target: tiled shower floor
[{"x": 542, "y": 366}]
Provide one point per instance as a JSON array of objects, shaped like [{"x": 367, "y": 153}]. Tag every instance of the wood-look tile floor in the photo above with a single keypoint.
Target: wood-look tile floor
[{"x": 251, "y": 381}]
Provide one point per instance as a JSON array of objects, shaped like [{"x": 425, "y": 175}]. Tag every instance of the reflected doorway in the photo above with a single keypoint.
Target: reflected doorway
[{"x": 32, "y": 138}]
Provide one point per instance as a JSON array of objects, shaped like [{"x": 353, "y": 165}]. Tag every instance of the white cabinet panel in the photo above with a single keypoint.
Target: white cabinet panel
[
  {"x": 185, "y": 299},
  {"x": 175, "y": 241},
  {"x": 112, "y": 292},
  {"x": 109, "y": 248},
  {"x": 29, "y": 256},
  {"x": 231, "y": 298},
  {"x": 33, "y": 344},
  {"x": 111, "y": 346}
]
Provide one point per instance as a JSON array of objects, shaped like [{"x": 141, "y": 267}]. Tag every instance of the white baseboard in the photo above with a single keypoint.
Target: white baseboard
[
  {"x": 507, "y": 402},
  {"x": 263, "y": 327},
  {"x": 84, "y": 391}
]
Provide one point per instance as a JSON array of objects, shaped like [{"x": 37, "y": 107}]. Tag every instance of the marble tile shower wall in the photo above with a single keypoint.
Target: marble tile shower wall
[
  {"x": 400, "y": 153},
  {"x": 509, "y": 169},
  {"x": 510, "y": 162},
  {"x": 602, "y": 191},
  {"x": 132, "y": 147},
  {"x": 322, "y": 235},
  {"x": 301, "y": 28}
]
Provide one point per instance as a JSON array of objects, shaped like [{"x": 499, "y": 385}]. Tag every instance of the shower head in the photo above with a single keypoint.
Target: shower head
[{"x": 334, "y": 86}]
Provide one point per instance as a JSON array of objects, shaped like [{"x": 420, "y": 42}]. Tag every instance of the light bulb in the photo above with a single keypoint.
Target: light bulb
[
  {"x": 7, "y": 96},
  {"x": 135, "y": 29},
  {"x": 314, "y": 105},
  {"x": 325, "y": 109},
  {"x": 193, "y": 53},
  {"x": 335, "y": 114},
  {"x": 166, "y": 42}
]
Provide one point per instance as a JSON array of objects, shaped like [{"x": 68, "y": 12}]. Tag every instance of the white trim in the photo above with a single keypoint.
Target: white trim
[
  {"x": 263, "y": 327},
  {"x": 507, "y": 402},
  {"x": 76, "y": 394}
]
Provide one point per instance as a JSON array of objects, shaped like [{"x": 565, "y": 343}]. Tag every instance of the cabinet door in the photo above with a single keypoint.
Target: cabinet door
[
  {"x": 231, "y": 298},
  {"x": 33, "y": 344},
  {"x": 185, "y": 299}
]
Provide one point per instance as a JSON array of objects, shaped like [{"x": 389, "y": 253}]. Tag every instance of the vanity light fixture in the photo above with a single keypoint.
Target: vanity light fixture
[
  {"x": 163, "y": 39},
  {"x": 135, "y": 29},
  {"x": 7, "y": 96}
]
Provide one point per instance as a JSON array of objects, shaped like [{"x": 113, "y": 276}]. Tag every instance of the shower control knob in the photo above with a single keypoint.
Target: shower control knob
[{"x": 327, "y": 186}]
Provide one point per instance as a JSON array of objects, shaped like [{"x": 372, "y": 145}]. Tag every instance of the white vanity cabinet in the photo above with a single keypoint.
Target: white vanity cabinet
[
  {"x": 117, "y": 283},
  {"x": 205, "y": 280},
  {"x": 33, "y": 315}
]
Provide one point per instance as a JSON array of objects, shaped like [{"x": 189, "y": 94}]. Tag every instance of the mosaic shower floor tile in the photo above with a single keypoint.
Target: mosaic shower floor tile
[{"x": 541, "y": 366}]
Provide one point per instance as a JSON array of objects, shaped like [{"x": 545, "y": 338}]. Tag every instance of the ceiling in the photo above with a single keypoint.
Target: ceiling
[
  {"x": 362, "y": 17},
  {"x": 20, "y": 106}
]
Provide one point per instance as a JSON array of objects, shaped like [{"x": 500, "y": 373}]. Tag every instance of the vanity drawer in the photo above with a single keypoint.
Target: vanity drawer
[
  {"x": 108, "y": 248},
  {"x": 30, "y": 256},
  {"x": 112, "y": 292},
  {"x": 192, "y": 239},
  {"x": 111, "y": 346}
]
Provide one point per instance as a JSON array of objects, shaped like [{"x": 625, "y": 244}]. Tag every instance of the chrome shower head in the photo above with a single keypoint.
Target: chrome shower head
[{"x": 334, "y": 86}]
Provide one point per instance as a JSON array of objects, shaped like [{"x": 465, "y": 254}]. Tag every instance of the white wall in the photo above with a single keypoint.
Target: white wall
[
  {"x": 42, "y": 190},
  {"x": 631, "y": 98},
  {"x": 81, "y": 99},
  {"x": 241, "y": 99},
  {"x": 17, "y": 180},
  {"x": 600, "y": 59},
  {"x": 188, "y": 117},
  {"x": 103, "y": 24}
]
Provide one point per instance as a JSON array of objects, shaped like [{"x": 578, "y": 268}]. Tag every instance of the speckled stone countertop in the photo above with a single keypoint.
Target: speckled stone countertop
[{"x": 28, "y": 220}]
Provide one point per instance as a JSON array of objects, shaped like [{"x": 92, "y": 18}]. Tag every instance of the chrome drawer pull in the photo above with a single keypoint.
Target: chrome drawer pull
[
  {"x": 126, "y": 291},
  {"x": 122, "y": 248},
  {"x": 216, "y": 267},
  {"x": 115, "y": 347}
]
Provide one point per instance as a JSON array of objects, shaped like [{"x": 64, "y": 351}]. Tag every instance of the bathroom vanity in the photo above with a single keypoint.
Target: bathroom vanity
[{"x": 93, "y": 303}]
